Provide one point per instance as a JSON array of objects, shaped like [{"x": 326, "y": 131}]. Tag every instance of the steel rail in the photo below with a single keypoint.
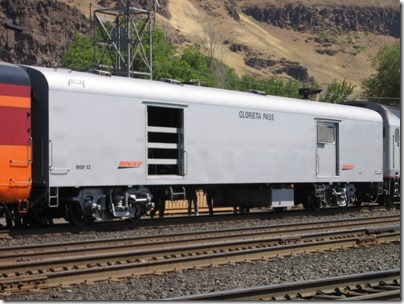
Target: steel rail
[
  {"x": 42, "y": 251},
  {"x": 71, "y": 270},
  {"x": 170, "y": 220},
  {"x": 4, "y": 234},
  {"x": 381, "y": 285}
]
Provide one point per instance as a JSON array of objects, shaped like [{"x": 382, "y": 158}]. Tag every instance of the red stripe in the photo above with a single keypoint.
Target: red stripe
[
  {"x": 15, "y": 90},
  {"x": 15, "y": 124}
]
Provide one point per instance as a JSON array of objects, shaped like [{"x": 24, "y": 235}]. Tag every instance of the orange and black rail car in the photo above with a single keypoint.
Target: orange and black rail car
[{"x": 15, "y": 138}]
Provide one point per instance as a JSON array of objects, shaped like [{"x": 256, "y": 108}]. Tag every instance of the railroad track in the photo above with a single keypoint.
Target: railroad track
[
  {"x": 381, "y": 285},
  {"x": 61, "y": 264},
  {"x": 287, "y": 231},
  {"x": 61, "y": 227}
]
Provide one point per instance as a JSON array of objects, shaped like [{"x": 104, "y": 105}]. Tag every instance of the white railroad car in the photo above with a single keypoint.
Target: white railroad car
[
  {"x": 112, "y": 147},
  {"x": 391, "y": 150}
]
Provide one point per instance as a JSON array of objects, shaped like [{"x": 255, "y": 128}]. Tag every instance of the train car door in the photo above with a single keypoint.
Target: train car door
[
  {"x": 396, "y": 149},
  {"x": 327, "y": 149},
  {"x": 165, "y": 141}
]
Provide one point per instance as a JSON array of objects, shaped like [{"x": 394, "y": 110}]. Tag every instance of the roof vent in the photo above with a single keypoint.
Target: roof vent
[
  {"x": 172, "y": 81},
  {"x": 306, "y": 92},
  {"x": 257, "y": 92},
  {"x": 194, "y": 82},
  {"x": 100, "y": 72}
]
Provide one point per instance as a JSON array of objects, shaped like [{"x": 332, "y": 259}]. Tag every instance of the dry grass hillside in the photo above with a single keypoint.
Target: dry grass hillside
[{"x": 223, "y": 27}]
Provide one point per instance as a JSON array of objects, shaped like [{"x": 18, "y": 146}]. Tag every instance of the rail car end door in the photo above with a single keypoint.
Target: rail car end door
[
  {"x": 327, "y": 149},
  {"x": 396, "y": 149}
]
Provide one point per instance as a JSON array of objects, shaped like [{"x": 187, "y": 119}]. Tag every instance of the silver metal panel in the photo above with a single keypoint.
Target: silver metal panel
[
  {"x": 98, "y": 134},
  {"x": 96, "y": 140},
  {"x": 327, "y": 160},
  {"x": 327, "y": 149},
  {"x": 283, "y": 198},
  {"x": 391, "y": 122}
]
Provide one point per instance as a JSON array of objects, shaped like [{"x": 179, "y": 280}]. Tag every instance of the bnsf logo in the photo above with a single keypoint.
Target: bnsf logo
[
  {"x": 129, "y": 164},
  {"x": 348, "y": 167}
]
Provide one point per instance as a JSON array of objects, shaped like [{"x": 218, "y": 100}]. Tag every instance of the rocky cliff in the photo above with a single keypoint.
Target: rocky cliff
[
  {"x": 378, "y": 20},
  {"x": 326, "y": 25},
  {"x": 38, "y": 32},
  {"x": 312, "y": 38}
]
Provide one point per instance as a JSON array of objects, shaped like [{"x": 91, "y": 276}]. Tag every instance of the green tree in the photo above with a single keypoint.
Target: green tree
[
  {"x": 190, "y": 64},
  {"x": 80, "y": 55},
  {"x": 385, "y": 81},
  {"x": 338, "y": 92},
  {"x": 198, "y": 66},
  {"x": 164, "y": 56}
]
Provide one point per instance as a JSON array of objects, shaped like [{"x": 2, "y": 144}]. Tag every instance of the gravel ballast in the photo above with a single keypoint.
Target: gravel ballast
[{"x": 231, "y": 276}]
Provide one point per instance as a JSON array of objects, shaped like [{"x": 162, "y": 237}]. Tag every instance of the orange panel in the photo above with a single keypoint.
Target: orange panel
[
  {"x": 14, "y": 101},
  {"x": 15, "y": 126},
  {"x": 15, "y": 178}
]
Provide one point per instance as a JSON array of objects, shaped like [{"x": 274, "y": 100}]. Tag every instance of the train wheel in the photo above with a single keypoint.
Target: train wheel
[
  {"x": 388, "y": 201},
  {"x": 360, "y": 197},
  {"x": 74, "y": 214},
  {"x": 17, "y": 220},
  {"x": 9, "y": 218},
  {"x": 13, "y": 217},
  {"x": 136, "y": 211},
  {"x": 37, "y": 221},
  {"x": 135, "y": 218},
  {"x": 314, "y": 203},
  {"x": 373, "y": 196},
  {"x": 9, "y": 222},
  {"x": 342, "y": 200},
  {"x": 37, "y": 217}
]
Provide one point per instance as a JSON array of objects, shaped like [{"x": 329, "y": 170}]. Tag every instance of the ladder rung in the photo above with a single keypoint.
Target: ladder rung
[{"x": 182, "y": 194}]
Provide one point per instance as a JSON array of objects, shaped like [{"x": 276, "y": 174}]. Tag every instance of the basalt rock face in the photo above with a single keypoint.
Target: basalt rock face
[
  {"x": 38, "y": 32},
  {"x": 378, "y": 20},
  {"x": 144, "y": 4},
  {"x": 49, "y": 27},
  {"x": 324, "y": 24},
  {"x": 278, "y": 67}
]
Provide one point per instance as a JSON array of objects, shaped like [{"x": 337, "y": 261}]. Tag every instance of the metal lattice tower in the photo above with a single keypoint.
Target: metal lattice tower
[{"x": 119, "y": 40}]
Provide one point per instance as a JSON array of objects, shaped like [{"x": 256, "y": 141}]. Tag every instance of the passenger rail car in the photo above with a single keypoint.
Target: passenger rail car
[
  {"x": 391, "y": 151},
  {"x": 94, "y": 147},
  {"x": 15, "y": 139}
]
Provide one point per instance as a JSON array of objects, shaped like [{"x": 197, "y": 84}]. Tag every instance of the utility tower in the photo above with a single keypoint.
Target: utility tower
[{"x": 120, "y": 45}]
